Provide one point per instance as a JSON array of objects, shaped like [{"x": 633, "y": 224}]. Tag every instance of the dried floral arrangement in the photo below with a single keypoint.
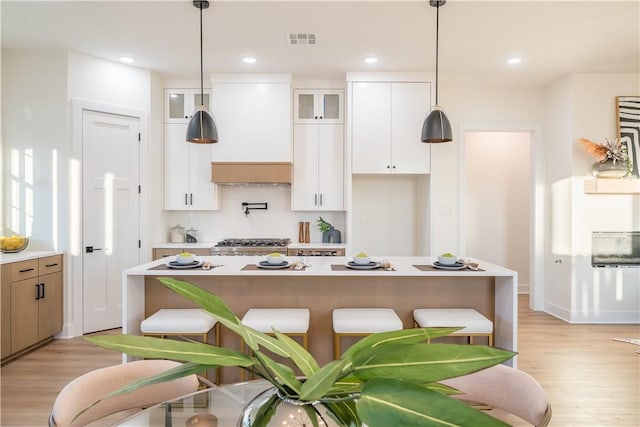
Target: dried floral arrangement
[{"x": 615, "y": 150}]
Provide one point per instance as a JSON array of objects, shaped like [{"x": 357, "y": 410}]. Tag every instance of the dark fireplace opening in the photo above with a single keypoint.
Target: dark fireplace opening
[{"x": 615, "y": 249}]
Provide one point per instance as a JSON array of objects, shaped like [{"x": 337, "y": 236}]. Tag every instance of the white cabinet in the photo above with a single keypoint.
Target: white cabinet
[
  {"x": 187, "y": 172},
  {"x": 179, "y": 104},
  {"x": 254, "y": 121},
  {"x": 318, "y": 167},
  {"x": 386, "y": 127},
  {"x": 312, "y": 106}
]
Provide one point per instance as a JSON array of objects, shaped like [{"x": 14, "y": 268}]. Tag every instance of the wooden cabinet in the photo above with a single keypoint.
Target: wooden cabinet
[
  {"x": 34, "y": 293},
  {"x": 179, "y": 104},
  {"x": 254, "y": 121},
  {"x": 313, "y": 106},
  {"x": 386, "y": 128},
  {"x": 318, "y": 167},
  {"x": 187, "y": 172},
  {"x": 165, "y": 252}
]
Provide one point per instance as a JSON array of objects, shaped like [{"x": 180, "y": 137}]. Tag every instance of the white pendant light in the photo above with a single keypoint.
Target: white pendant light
[
  {"x": 436, "y": 127},
  {"x": 201, "y": 128}
]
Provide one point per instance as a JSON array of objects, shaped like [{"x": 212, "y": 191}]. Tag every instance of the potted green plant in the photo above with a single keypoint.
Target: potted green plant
[
  {"x": 385, "y": 379},
  {"x": 329, "y": 233}
]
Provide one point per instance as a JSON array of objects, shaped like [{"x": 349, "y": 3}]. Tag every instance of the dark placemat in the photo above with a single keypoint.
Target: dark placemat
[
  {"x": 432, "y": 268},
  {"x": 254, "y": 267},
  {"x": 166, "y": 267},
  {"x": 341, "y": 267}
]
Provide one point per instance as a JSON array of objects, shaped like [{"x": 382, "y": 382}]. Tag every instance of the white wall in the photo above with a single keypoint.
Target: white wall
[
  {"x": 583, "y": 105},
  {"x": 496, "y": 199},
  {"x": 388, "y": 214},
  {"x": 278, "y": 221},
  {"x": 37, "y": 87},
  {"x": 34, "y": 117}
]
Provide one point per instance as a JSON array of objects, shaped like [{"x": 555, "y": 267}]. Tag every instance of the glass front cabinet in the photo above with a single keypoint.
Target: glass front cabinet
[{"x": 318, "y": 106}]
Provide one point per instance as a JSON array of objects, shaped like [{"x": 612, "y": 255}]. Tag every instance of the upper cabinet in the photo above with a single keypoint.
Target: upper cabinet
[
  {"x": 313, "y": 106},
  {"x": 187, "y": 166},
  {"x": 187, "y": 172},
  {"x": 179, "y": 104},
  {"x": 386, "y": 127},
  {"x": 253, "y": 117},
  {"x": 318, "y": 167}
]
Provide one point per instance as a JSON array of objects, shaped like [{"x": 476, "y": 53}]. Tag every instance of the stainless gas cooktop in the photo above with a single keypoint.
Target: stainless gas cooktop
[{"x": 262, "y": 246}]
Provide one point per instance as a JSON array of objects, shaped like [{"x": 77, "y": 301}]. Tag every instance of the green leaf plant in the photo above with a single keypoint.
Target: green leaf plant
[{"x": 385, "y": 379}]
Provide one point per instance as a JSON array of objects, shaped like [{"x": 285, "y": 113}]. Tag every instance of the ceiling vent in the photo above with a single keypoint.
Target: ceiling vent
[{"x": 296, "y": 39}]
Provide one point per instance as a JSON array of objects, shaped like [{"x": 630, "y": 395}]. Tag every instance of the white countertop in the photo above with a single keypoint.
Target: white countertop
[
  {"x": 320, "y": 266},
  {"x": 25, "y": 256}
]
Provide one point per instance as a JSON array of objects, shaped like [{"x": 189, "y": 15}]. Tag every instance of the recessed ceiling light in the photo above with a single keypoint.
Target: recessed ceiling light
[
  {"x": 371, "y": 60},
  {"x": 249, "y": 60},
  {"x": 127, "y": 59},
  {"x": 514, "y": 60}
]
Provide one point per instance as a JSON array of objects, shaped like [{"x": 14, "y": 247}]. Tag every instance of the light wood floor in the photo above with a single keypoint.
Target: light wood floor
[{"x": 590, "y": 379}]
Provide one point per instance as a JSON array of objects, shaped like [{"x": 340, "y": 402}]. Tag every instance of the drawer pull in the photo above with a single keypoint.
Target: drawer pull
[
  {"x": 26, "y": 269},
  {"x": 51, "y": 265}
]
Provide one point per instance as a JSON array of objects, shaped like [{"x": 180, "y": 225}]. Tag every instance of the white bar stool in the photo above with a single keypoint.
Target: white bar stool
[
  {"x": 362, "y": 322},
  {"x": 181, "y": 322},
  {"x": 474, "y": 324},
  {"x": 293, "y": 322}
]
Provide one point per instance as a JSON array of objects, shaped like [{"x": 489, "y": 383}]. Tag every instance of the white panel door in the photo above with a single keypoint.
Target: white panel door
[
  {"x": 371, "y": 128},
  {"x": 110, "y": 211},
  {"x": 409, "y": 106}
]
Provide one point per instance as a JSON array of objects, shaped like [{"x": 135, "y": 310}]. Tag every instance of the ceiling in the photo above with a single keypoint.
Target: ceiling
[{"x": 555, "y": 38}]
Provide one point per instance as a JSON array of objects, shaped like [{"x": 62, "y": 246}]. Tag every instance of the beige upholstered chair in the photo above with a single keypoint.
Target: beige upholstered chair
[
  {"x": 508, "y": 389},
  {"x": 92, "y": 386}
]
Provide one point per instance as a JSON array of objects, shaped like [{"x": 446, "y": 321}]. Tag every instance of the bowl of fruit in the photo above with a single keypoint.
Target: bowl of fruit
[
  {"x": 12, "y": 244},
  {"x": 447, "y": 258},
  {"x": 361, "y": 258},
  {"x": 185, "y": 258}
]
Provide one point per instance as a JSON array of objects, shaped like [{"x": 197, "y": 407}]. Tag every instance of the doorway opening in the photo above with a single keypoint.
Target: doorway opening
[{"x": 497, "y": 202}]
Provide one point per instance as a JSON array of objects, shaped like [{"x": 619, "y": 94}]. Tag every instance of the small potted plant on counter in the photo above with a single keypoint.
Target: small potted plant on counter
[
  {"x": 329, "y": 233},
  {"x": 385, "y": 379}
]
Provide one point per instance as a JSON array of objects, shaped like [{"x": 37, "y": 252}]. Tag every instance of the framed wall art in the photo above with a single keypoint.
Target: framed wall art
[{"x": 628, "y": 115}]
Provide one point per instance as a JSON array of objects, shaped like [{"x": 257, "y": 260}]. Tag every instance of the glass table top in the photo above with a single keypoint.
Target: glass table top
[{"x": 215, "y": 407}]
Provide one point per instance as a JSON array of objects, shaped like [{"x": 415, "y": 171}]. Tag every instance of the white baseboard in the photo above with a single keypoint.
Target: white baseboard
[{"x": 524, "y": 288}]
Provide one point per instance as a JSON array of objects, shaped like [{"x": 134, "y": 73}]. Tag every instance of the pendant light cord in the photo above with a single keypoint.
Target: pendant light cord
[
  {"x": 437, "y": 44},
  {"x": 202, "y": 66}
]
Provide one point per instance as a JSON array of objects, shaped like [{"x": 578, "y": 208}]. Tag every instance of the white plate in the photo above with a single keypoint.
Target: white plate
[
  {"x": 194, "y": 264},
  {"x": 456, "y": 266},
  {"x": 371, "y": 266},
  {"x": 266, "y": 265}
]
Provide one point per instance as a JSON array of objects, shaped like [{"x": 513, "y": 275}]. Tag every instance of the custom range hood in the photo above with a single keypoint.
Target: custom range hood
[{"x": 251, "y": 172}]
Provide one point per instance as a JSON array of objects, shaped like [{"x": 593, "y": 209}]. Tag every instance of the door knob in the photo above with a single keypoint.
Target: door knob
[{"x": 91, "y": 249}]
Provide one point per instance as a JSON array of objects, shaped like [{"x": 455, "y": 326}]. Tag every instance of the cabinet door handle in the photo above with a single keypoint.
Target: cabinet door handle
[
  {"x": 394, "y": 166},
  {"x": 388, "y": 167},
  {"x": 315, "y": 200},
  {"x": 185, "y": 199},
  {"x": 51, "y": 265},
  {"x": 37, "y": 285},
  {"x": 26, "y": 269},
  {"x": 191, "y": 198},
  {"x": 42, "y": 296},
  {"x": 320, "y": 199}
]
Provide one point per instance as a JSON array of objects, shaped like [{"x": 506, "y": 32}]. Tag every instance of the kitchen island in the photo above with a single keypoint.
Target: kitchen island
[{"x": 325, "y": 285}]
